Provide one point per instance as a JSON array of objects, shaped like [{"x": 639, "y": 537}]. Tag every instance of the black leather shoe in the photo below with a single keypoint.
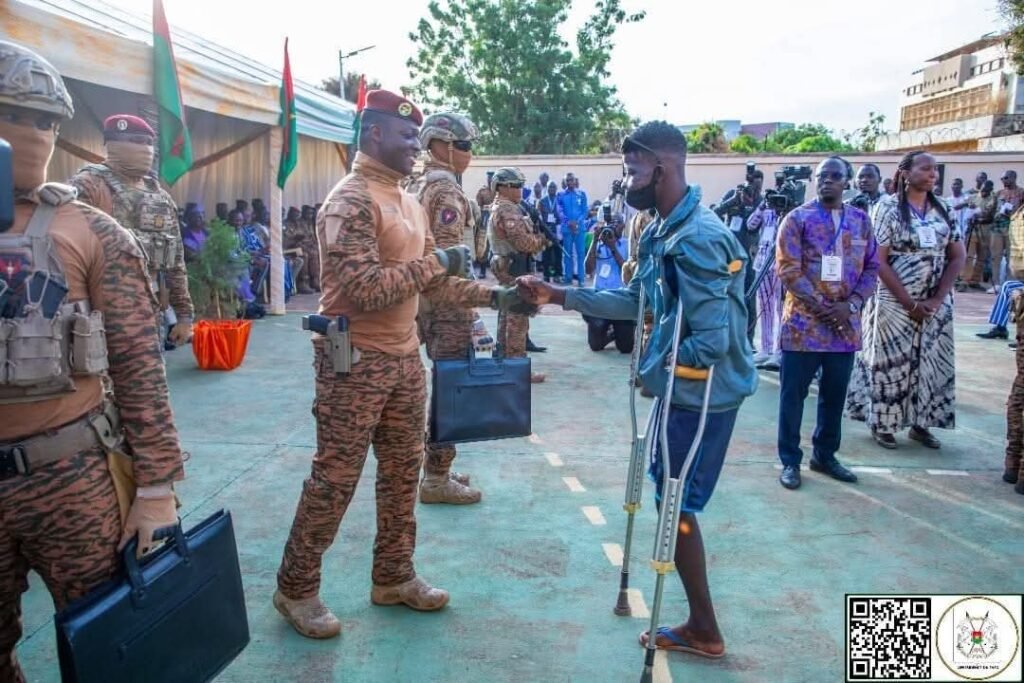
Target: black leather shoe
[
  {"x": 533, "y": 348},
  {"x": 1010, "y": 476},
  {"x": 833, "y": 469},
  {"x": 790, "y": 477},
  {"x": 924, "y": 437},
  {"x": 1019, "y": 486},
  {"x": 996, "y": 332}
]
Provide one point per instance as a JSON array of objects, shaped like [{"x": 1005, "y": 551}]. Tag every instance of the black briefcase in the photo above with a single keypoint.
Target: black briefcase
[
  {"x": 480, "y": 399},
  {"x": 179, "y": 616}
]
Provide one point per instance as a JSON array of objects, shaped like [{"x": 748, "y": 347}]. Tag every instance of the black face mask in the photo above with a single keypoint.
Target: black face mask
[{"x": 644, "y": 198}]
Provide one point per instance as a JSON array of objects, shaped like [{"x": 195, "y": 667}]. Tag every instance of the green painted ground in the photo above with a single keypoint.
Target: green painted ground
[{"x": 532, "y": 586}]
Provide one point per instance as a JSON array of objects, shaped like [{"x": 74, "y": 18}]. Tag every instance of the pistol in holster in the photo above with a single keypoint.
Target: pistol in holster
[{"x": 339, "y": 344}]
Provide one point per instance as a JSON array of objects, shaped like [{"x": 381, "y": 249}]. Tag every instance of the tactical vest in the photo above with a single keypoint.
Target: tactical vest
[
  {"x": 499, "y": 246},
  {"x": 39, "y": 355},
  {"x": 147, "y": 212}
]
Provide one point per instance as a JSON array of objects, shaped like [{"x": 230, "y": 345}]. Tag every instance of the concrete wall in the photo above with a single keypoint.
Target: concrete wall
[{"x": 717, "y": 173}]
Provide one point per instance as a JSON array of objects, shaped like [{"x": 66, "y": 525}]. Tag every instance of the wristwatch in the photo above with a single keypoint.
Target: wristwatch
[{"x": 853, "y": 307}]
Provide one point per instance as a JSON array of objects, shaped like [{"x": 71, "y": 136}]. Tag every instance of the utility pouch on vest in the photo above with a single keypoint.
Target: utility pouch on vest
[
  {"x": 159, "y": 248},
  {"x": 519, "y": 264},
  {"x": 339, "y": 350},
  {"x": 34, "y": 351},
  {"x": 88, "y": 344}
]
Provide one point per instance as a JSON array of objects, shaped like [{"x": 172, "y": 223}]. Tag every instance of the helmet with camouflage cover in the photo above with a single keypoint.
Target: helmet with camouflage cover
[
  {"x": 29, "y": 81},
  {"x": 447, "y": 126},
  {"x": 508, "y": 175}
]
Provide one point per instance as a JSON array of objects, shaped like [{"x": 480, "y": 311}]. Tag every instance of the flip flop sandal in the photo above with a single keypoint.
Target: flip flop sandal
[{"x": 678, "y": 644}]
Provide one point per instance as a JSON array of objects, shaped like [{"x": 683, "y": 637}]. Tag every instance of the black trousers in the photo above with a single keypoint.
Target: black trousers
[{"x": 601, "y": 332}]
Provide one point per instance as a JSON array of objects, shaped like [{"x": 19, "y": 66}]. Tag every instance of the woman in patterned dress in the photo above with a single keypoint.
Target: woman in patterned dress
[{"x": 904, "y": 376}]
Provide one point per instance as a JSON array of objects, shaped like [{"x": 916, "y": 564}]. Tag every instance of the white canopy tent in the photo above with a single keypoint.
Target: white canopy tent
[{"x": 232, "y": 108}]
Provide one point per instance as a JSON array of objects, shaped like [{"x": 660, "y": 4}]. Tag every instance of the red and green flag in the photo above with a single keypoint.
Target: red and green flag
[
  {"x": 175, "y": 145},
  {"x": 360, "y": 105},
  {"x": 290, "y": 145}
]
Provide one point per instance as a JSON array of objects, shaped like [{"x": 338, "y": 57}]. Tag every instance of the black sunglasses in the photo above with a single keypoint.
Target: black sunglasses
[
  {"x": 832, "y": 175},
  {"x": 463, "y": 145},
  {"x": 38, "y": 121}
]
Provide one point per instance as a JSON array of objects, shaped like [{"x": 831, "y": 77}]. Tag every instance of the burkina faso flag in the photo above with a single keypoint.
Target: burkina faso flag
[{"x": 175, "y": 145}]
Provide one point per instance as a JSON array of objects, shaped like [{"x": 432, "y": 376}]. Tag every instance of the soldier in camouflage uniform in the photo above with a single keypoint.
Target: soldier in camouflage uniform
[
  {"x": 379, "y": 258},
  {"x": 293, "y": 236},
  {"x": 1014, "y": 463},
  {"x": 125, "y": 187},
  {"x": 59, "y": 511},
  {"x": 511, "y": 235},
  {"x": 310, "y": 250},
  {"x": 484, "y": 199},
  {"x": 447, "y": 329}
]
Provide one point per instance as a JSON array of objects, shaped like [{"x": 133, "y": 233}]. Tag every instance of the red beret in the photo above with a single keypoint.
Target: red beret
[
  {"x": 126, "y": 124},
  {"x": 386, "y": 102}
]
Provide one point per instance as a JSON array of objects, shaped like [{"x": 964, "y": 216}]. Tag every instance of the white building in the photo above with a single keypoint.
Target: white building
[{"x": 967, "y": 100}]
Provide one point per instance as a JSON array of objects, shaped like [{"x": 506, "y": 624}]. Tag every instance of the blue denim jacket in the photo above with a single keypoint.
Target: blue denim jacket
[{"x": 706, "y": 263}]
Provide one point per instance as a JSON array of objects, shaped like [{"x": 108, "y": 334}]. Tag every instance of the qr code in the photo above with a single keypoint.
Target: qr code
[{"x": 889, "y": 638}]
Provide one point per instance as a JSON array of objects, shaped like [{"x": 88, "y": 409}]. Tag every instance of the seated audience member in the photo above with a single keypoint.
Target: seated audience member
[
  {"x": 193, "y": 237},
  {"x": 605, "y": 258}
]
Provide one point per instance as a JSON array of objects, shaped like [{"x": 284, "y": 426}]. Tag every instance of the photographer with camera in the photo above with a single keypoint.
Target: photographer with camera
[
  {"x": 735, "y": 210},
  {"x": 605, "y": 259},
  {"x": 869, "y": 178}
]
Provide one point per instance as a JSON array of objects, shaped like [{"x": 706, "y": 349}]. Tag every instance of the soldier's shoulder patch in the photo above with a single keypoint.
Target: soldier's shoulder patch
[{"x": 448, "y": 216}]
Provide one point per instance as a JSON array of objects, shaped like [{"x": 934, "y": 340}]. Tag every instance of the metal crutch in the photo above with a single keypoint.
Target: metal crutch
[
  {"x": 663, "y": 561},
  {"x": 637, "y": 458}
]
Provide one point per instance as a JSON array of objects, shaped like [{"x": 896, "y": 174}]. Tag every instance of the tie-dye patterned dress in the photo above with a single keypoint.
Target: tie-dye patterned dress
[{"x": 904, "y": 374}]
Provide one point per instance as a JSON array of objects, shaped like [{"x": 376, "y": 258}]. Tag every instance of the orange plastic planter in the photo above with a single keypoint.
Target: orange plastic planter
[{"x": 220, "y": 344}]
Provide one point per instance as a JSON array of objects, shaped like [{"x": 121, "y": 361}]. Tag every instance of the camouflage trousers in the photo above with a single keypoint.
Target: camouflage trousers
[
  {"x": 311, "y": 274},
  {"x": 512, "y": 327},
  {"x": 1015, "y": 411},
  {"x": 64, "y": 523},
  {"x": 382, "y": 401},
  {"x": 448, "y": 334}
]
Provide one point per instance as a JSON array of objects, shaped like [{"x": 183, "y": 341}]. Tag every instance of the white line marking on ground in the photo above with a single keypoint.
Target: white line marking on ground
[
  {"x": 593, "y": 514},
  {"x": 613, "y": 551},
  {"x": 867, "y": 469},
  {"x": 637, "y": 606},
  {"x": 976, "y": 434},
  {"x": 946, "y": 533},
  {"x": 554, "y": 459},
  {"x": 287, "y": 327},
  {"x": 661, "y": 674},
  {"x": 948, "y": 473},
  {"x": 574, "y": 484}
]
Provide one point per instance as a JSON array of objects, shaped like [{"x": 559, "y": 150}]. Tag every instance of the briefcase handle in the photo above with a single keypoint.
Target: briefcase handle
[
  {"x": 132, "y": 566},
  {"x": 478, "y": 369}
]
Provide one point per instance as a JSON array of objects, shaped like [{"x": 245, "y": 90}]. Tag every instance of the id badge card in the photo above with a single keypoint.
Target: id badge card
[
  {"x": 736, "y": 224},
  {"x": 831, "y": 268},
  {"x": 551, "y": 218},
  {"x": 926, "y": 236},
  {"x": 604, "y": 271}
]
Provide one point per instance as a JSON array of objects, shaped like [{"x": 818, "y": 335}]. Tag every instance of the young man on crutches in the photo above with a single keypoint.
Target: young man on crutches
[{"x": 688, "y": 261}]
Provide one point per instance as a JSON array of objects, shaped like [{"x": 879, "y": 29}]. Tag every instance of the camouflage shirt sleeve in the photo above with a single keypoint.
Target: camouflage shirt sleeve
[
  {"x": 177, "y": 278},
  {"x": 455, "y": 291},
  {"x": 126, "y": 299},
  {"x": 350, "y": 227},
  {"x": 449, "y": 215},
  {"x": 518, "y": 232},
  {"x": 93, "y": 191}
]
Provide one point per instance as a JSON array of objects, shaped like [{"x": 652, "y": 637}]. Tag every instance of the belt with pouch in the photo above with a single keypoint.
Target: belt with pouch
[{"x": 100, "y": 427}]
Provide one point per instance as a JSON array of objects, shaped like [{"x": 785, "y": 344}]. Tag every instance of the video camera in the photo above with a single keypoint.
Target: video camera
[{"x": 790, "y": 189}]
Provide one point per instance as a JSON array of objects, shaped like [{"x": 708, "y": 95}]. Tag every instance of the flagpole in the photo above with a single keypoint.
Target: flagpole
[{"x": 277, "y": 305}]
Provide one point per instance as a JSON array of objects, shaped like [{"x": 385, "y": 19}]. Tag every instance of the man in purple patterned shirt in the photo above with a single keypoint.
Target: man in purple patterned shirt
[{"x": 826, "y": 258}]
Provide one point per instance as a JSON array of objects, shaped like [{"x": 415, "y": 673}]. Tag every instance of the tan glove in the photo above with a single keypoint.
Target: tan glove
[
  {"x": 146, "y": 515},
  {"x": 181, "y": 333}
]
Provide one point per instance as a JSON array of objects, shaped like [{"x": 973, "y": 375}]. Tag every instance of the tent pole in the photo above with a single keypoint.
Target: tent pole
[{"x": 277, "y": 306}]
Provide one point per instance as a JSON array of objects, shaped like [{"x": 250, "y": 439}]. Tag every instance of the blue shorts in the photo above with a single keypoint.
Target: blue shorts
[{"x": 700, "y": 479}]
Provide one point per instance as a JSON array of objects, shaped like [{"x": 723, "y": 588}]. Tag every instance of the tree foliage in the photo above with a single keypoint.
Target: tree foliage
[
  {"x": 1012, "y": 12},
  {"x": 213, "y": 276},
  {"x": 504, "y": 63},
  {"x": 351, "y": 85},
  {"x": 706, "y": 138}
]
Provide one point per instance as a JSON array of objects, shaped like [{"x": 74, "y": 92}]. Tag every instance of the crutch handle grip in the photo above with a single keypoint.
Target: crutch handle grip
[{"x": 686, "y": 372}]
